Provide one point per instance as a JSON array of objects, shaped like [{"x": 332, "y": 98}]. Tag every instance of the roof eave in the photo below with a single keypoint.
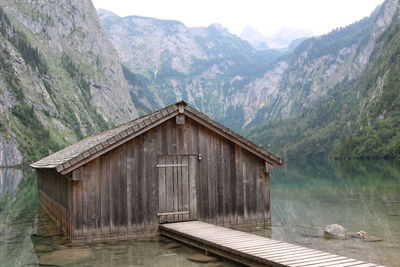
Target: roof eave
[{"x": 234, "y": 137}]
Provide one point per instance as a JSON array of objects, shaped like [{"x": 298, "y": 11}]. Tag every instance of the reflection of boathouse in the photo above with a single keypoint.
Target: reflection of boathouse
[{"x": 175, "y": 164}]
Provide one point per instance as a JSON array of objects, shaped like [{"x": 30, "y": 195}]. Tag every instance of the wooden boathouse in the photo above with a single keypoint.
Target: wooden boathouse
[{"x": 173, "y": 165}]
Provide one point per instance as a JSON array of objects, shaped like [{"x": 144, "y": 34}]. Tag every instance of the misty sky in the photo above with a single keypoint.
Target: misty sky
[{"x": 317, "y": 16}]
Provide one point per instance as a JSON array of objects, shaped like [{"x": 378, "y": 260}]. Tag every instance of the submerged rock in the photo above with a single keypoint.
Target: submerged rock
[
  {"x": 360, "y": 235},
  {"x": 65, "y": 257},
  {"x": 335, "y": 231},
  {"x": 372, "y": 239},
  {"x": 202, "y": 258},
  {"x": 173, "y": 245},
  {"x": 43, "y": 249}
]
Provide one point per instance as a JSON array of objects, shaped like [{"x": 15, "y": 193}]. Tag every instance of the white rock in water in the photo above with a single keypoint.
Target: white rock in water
[{"x": 335, "y": 231}]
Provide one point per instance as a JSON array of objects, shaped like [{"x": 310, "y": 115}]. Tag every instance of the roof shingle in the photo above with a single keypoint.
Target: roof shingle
[{"x": 91, "y": 145}]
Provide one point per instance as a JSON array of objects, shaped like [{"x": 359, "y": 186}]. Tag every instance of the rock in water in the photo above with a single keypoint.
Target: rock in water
[
  {"x": 335, "y": 231},
  {"x": 43, "y": 249},
  {"x": 202, "y": 258},
  {"x": 65, "y": 257},
  {"x": 173, "y": 245},
  {"x": 372, "y": 239}
]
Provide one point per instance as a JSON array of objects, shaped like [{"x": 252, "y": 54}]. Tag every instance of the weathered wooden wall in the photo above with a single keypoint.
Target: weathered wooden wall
[
  {"x": 55, "y": 195},
  {"x": 117, "y": 193}
]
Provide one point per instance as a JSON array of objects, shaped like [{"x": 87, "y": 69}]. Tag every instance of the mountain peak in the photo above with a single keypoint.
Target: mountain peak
[
  {"x": 219, "y": 28},
  {"x": 281, "y": 39},
  {"x": 105, "y": 13}
]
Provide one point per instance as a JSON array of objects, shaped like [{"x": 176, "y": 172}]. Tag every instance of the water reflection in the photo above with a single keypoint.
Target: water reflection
[
  {"x": 53, "y": 249},
  {"x": 18, "y": 213},
  {"x": 28, "y": 237},
  {"x": 9, "y": 180},
  {"x": 359, "y": 195}
]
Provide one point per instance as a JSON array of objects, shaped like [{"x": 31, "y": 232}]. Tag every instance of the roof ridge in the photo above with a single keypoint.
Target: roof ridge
[
  {"x": 85, "y": 149},
  {"x": 110, "y": 137}
]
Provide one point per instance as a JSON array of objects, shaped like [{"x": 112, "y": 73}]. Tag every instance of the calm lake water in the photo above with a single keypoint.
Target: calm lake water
[{"x": 359, "y": 195}]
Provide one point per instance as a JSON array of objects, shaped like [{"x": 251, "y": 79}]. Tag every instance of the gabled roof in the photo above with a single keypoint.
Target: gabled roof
[{"x": 73, "y": 156}]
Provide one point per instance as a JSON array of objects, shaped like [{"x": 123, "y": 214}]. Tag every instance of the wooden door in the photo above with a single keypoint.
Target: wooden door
[{"x": 177, "y": 199}]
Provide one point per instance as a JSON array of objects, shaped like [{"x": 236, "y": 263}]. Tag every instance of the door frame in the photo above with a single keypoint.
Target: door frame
[{"x": 177, "y": 187}]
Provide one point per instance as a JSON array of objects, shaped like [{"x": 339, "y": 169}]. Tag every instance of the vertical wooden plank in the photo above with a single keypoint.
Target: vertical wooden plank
[
  {"x": 169, "y": 179},
  {"x": 156, "y": 151},
  {"x": 95, "y": 198},
  {"x": 122, "y": 187},
  {"x": 163, "y": 136},
  {"x": 61, "y": 202},
  {"x": 105, "y": 194},
  {"x": 145, "y": 183},
  {"x": 77, "y": 203},
  {"x": 211, "y": 177},
  {"x": 162, "y": 198},
  {"x": 219, "y": 182},
  {"x": 172, "y": 138},
  {"x": 203, "y": 176},
  {"x": 245, "y": 187},
  {"x": 233, "y": 183},
  {"x": 239, "y": 184},
  {"x": 181, "y": 146},
  {"x": 192, "y": 170},
  {"x": 194, "y": 133},
  {"x": 139, "y": 199},
  {"x": 251, "y": 193},
  {"x": 188, "y": 137},
  {"x": 266, "y": 197},
  {"x": 254, "y": 186},
  {"x": 86, "y": 201},
  {"x": 86, "y": 210},
  {"x": 71, "y": 211},
  {"x": 179, "y": 186},
  {"x": 175, "y": 187},
  {"x": 114, "y": 196},
  {"x": 185, "y": 188},
  {"x": 129, "y": 188},
  {"x": 65, "y": 199},
  {"x": 226, "y": 175},
  {"x": 168, "y": 137},
  {"x": 259, "y": 178},
  {"x": 68, "y": 208}
]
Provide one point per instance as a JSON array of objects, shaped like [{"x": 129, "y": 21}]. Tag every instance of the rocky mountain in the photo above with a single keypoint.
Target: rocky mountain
[
  {"x": 286, "y": 38},
  {"x": 337, "y": 94},
  {"x": 207, "y": 66},
  {"x": 60, "y": 77},
  {"x": 65, "y": 74},
  {"x": 303, "y": 103}
]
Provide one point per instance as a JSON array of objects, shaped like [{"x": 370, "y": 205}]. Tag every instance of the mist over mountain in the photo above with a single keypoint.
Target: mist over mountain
[{"x": 285, "y": 38}]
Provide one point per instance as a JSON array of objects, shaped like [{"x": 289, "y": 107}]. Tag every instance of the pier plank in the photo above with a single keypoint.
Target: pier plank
[
  {"x": 309, "y": 261},
  {"x": 253, "y": 250}
]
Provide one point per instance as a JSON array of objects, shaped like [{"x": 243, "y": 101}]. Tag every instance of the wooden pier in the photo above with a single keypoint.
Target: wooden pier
[{"x": 253, "y": 250}]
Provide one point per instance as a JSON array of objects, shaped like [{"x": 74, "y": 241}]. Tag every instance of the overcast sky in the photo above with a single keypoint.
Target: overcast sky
[{"x": 268, "y": 16}]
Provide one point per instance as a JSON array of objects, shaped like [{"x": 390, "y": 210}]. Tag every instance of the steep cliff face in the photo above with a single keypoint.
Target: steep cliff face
[
  {"x": 339, "y": 95},
  {"x": 317, "y": 66},
  {"x": 60, "y": 77},
  {"x": 207, "y": 66}
]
